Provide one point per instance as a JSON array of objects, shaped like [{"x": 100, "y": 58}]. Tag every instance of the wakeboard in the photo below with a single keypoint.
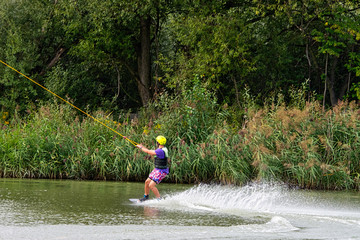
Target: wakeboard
[{"x": 134, "y": 200}]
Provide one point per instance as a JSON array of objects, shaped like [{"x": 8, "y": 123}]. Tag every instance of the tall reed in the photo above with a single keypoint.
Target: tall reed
[{"x": 297, "y": 143}]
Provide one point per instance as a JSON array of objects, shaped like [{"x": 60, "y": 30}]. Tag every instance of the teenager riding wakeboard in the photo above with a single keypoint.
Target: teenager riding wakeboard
[{"x": 161, "y": 169}]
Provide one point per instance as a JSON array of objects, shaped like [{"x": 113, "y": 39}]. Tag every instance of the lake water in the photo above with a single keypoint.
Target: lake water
[{"x": 45, "y": 209}]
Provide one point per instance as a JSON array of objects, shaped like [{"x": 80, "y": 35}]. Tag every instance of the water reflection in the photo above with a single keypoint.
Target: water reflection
[{"x": 151, "y": 212}]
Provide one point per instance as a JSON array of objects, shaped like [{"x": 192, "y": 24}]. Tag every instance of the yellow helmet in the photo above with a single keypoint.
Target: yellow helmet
[{"x": 161, "y": 140}]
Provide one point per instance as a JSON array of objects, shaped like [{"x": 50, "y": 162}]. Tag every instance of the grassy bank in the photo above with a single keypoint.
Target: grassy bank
[{"x": 299, "y": 144}]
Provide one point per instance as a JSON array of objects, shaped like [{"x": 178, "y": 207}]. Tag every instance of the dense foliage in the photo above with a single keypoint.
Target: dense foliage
[{"x": 119, "y": 54}]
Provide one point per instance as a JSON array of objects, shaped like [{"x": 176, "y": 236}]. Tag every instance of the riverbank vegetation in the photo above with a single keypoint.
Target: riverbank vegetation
[
  {"x": 296, "y": 143},
  {"x": 243, "y": 90}
]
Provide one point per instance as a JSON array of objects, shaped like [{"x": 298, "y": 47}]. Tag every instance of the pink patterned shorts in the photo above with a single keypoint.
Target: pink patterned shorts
[{"x": 157, "y": 175}]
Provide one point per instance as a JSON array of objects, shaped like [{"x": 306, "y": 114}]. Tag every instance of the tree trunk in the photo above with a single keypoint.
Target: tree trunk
[
  {"x": 53, "y": 61},
  {"x": 325, "y": 88},
  {"x": 333, "y": 96},
  {"x": 144, "y": 60},
  {"x": 347, "y": 82},
  {"x": 309, "y": 67},
  {"x": 345, "y": 86},
  {"x": 157, "y": 31},
  {"x": 236, "y": 90}
]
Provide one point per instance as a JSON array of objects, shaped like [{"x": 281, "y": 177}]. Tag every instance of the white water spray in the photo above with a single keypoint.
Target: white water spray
[{"x": 265, "y": 198}]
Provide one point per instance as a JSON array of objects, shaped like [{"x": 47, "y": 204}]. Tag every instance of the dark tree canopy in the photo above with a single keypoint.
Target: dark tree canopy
[{"x": 121, "y": 54}]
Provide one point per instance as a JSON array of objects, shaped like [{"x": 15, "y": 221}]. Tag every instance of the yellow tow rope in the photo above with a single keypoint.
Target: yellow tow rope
[{"x": 95, "y": 119}]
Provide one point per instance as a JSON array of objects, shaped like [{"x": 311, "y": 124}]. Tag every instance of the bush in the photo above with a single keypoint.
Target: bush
[{"x": 297, "y": 144}]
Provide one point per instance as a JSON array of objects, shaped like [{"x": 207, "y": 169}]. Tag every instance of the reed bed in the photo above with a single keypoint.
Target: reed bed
[{"x": 299, "y": 144}]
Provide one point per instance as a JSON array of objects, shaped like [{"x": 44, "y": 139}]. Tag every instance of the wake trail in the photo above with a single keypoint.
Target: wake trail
[{"x": 267, "y": 199}]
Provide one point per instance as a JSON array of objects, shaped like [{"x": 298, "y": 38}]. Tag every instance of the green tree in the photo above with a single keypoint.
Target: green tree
[
  {"x": 327, "y": 31},
  {"x": 267, "y": 45},
  {"x": 92, "y": 51},
  {"x": 212, "y": 40},
  {"x": 29, "y": 42},
  {"x": 116, "y": 36},
  {"x": 339, "y": 42}
]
